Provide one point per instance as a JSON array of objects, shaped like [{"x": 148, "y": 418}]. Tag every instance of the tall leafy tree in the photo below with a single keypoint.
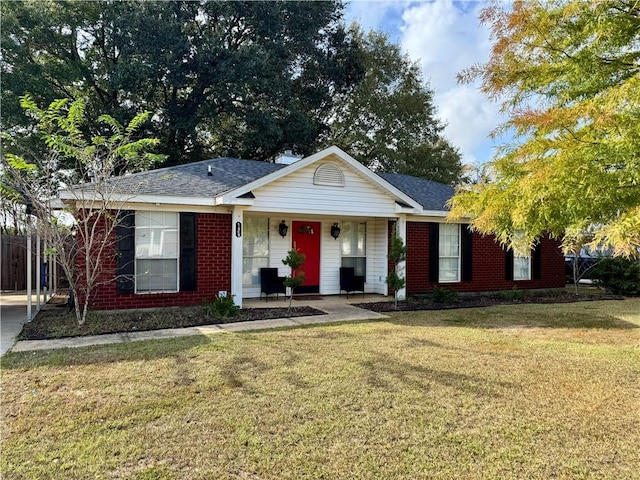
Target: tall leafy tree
[
  {"x": 223, "y": 78},
  {"x": 389, "y": 120},
  {"x": 568, "y": 75}
]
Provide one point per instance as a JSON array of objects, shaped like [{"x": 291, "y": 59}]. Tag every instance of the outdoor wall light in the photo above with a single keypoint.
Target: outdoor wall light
[
  {"x": 283, "y": 229},
  {"x": 335, "y": 231}
]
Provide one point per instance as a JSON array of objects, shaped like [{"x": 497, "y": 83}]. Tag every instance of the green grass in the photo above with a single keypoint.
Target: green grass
[{"x": 527, "y": 391}]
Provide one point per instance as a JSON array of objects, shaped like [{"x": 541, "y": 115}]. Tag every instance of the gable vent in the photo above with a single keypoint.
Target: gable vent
[{"x": 328, "y": 174}]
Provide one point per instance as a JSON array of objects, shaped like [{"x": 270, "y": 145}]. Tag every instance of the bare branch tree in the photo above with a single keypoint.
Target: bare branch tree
[{"x": 81, "y": 231}]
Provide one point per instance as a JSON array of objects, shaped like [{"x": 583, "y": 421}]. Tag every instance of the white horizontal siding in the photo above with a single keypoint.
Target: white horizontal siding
[
  {"x": 377, "y": 256},
  {"x": 297, "y": 193}
]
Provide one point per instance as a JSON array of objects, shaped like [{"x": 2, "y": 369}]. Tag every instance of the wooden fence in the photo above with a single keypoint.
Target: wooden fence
[{"x": 13, "y": 262}]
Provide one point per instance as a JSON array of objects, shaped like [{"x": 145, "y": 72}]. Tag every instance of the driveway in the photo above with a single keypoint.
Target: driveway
[{"x": 13, "y": 314}]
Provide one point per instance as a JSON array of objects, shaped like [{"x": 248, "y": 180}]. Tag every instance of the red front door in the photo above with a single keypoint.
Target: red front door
[{"x": 306, "y": 238}]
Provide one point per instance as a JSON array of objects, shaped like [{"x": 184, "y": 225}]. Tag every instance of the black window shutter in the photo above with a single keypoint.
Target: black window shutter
[
  {"x": 536, "y": 262},
  {"x": 467, "y": 253},
  {"x": 125, "y": 251},
  {"x": 188, "y": 228},
  {"x": 508, "y": 265},
  {"x": 434, "y": 252}
]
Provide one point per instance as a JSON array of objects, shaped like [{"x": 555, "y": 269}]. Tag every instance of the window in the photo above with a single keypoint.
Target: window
[
  {"x": 522, "y": 268},
  {"x": 449, "y": 253},
  {"x": 157, "y": 247},
  {"x": 255, "y": 249},
  {"x": 353, "y": 238}
]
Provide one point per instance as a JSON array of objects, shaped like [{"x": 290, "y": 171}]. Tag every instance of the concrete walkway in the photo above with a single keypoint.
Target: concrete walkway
[
  {"x": 337, "y": 309},
  {"x": 13, "y": 315}
]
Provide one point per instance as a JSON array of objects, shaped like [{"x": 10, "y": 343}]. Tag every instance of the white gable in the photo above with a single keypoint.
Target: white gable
[
  {"x": 346, "y": 194},
  {"x": 328, "y": 182}
]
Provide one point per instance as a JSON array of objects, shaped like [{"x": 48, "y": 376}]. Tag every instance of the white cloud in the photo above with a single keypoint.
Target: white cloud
[
  {"x": 381, "y": 15},
  {"x": 445, "y": 39},
  {"x": 470, "y": 120}
]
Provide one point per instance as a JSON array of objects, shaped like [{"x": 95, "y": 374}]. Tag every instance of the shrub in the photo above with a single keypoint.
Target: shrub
[
  {"x": 221, "y": 307},
  {"x": 397, "y": 254},
  {"x": 512, "y": 295},
  {"x": 294, "y": 260},
  {"x": 444, "y": 295},
  {"x": 620, "y": 276}
]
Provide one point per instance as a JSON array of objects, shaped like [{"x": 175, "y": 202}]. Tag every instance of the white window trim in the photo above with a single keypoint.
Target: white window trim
[
  {"x": 459, "y": 257},
  {"x": 135, "y": 259}
]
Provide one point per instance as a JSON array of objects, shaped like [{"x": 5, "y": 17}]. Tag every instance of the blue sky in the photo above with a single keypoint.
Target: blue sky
[{"x": 444, "y": 37}]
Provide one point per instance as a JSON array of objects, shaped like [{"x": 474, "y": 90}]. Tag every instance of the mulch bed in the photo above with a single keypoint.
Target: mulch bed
[
  {"x": 488, "y": 300},
  {"x": 54, "y": 321}
]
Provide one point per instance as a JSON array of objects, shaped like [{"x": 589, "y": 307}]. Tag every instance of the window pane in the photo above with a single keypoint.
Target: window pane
[
  {"x": 345, "y": 238},
  {"x": 157, "y": 275},
  {"x": 251, "y": 269},
  {"x": 255, "y": 241},
  {"x": 361, "y": 237},
  {"x": 450, "y": 250},
  {"x": 358, "y": 263},
  {"x": 448, "y": 271},
  {"x": 157, "y": 235},
  {"x": 521, "y": 268},
  {"x": 255, "y": 249}
]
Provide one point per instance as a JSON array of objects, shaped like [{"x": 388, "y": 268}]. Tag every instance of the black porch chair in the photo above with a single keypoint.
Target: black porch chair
[
  {"x": 350, "y": 282},
  {"x": 271, "y": 283}
]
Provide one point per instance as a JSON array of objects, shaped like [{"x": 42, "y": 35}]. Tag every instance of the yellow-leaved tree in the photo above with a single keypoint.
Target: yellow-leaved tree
[{"x": 567, "y": 74}]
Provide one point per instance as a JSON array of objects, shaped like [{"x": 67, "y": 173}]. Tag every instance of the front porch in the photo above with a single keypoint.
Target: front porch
[{"x": 329, "y": 243}]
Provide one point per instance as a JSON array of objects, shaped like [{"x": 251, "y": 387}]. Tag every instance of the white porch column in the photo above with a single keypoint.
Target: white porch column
[
  {"x": 46, "y": 276},
  {"x": 38, "y": 270},
  {"x": 401, "y": 268},
  {"x": 237, "y": 231},
  {"x": 52, "y": 275},
  {"x": 29, "y": 277}
]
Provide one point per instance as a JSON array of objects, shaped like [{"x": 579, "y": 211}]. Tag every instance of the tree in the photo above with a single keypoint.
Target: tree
[
  {"x": 568, "y": 75},
  {"x": 294, "y": 260},
  {"x": 83, "y": 246},
  {"x": 388, "y": 121},
  {"x": 222, "y": 78},
  {"x": 397, "y": 254}
]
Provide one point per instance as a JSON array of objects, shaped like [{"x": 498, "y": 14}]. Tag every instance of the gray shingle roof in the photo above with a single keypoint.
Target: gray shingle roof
[
  {"x": 431, "y": 195},
  {"x": 192, "y": 180}
]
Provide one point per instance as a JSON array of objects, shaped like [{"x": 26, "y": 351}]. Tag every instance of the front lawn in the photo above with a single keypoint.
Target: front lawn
[{"x": 526, "y": 391}]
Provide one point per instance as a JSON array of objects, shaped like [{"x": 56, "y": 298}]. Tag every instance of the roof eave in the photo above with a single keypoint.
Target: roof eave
[{"x": 69, "y": 197}]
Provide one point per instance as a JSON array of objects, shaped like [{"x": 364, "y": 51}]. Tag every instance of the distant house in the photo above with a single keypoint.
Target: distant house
[{"x": 192, "y": 231}]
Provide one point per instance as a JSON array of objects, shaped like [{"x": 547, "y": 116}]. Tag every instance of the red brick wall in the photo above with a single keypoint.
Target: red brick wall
[
  {"x": 213, "y": 271},
  {"x": 488, "y": 265}
]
